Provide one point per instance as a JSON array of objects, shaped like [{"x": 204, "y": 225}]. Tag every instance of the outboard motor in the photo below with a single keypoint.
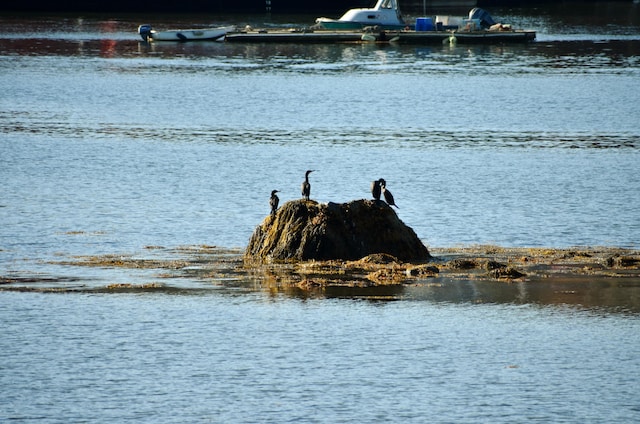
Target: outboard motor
[
  {"x": 485, "y": 19},
  {"x": 145, "y": 31}
]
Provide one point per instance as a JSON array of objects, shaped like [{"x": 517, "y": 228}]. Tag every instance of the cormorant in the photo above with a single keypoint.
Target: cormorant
[
  {"x": 306, "y": 187},
  {"x": 273, "y": 201},
  {"x": 388, "y": 197},
  {"x": 375, "y": 189}
]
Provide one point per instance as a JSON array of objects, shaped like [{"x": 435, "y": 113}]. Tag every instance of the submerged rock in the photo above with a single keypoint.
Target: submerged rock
[{"x": 307, "y": 230}]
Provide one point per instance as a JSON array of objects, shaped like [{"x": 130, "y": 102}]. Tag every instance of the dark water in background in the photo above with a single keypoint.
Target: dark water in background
[{"x": 109, "y": 145}]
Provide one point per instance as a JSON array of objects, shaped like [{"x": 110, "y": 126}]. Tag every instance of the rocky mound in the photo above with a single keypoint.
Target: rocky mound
[{"x": 305, "y": 230}]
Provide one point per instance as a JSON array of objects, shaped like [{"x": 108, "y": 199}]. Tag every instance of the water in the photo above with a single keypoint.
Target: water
[
  {"x": 247, "y": 359},
  {"x": 111, "y": 146}
]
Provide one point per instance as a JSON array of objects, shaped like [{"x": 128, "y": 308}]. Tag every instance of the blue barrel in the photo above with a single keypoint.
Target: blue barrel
[
  {"x": 429, "y": 24},
  {"x": 424, "y": 24}
]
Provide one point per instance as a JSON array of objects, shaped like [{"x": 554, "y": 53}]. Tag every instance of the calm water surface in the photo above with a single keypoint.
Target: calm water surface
[
  {"x": 245, "y": 358},
  {"x": 110, "y": 146}
]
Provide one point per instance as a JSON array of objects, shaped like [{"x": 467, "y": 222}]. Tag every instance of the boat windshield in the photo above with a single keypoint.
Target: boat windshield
[{"x": 387, "y": 4}]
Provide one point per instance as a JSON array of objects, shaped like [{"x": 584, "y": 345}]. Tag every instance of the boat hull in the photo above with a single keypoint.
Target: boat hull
[
  {"x": 338, "y": 25},
  {"x": 201, "y": 34}
]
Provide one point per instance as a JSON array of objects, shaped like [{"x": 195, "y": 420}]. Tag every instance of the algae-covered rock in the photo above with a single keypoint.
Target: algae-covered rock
[{"x": 305, "y": 230}]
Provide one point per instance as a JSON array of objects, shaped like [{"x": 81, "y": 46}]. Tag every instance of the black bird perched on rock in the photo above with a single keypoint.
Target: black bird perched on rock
[
  {"x": 273, "y": 202},
  {"x": 306, "y": 187},
  {"x": 388, "y": 197},
  {"x": 375, "y": 189}
]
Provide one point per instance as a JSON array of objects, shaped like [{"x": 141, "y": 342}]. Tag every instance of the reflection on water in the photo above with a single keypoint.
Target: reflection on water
[
  {"x": 604, "y": 295},
  {"x": 608, "y": 294},
  {"x": 534, "y": 57}
]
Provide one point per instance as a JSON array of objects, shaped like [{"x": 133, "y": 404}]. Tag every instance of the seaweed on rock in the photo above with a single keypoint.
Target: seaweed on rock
[{"x": 307, "y": 230}]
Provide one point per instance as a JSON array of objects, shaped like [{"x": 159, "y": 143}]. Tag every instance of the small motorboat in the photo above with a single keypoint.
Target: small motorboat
[
  {"x": 149, "y": 34},
  {"x": 385, "y": 14}
]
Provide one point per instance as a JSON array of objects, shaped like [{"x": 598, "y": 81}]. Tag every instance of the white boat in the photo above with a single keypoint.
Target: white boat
[
  {"x": 385, "y": 14},
  {"x": 149, "y": 34}
]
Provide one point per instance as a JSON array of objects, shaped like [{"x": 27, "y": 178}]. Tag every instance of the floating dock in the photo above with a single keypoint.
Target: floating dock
[{"x": 383, "y": 36}]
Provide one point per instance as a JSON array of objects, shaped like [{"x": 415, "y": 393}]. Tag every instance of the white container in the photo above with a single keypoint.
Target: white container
[{"x": 446, "y": 20}]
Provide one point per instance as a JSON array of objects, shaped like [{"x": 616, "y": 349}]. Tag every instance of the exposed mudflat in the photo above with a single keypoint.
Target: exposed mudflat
[
  {"x": 475, "y": 263},
  {"x": 165, "y": 268}
]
